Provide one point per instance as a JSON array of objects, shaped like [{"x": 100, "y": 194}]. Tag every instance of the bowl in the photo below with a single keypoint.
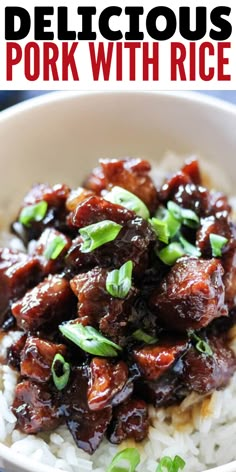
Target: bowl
[{"x": 60, "y": 136}]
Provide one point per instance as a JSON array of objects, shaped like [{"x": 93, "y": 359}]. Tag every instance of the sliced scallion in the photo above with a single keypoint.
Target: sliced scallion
[
  {"x": 119, "y": 281},
  {"x": 89, "y": 339},
  {"x": 125, "y": 461},
  {"x": 140, "y": 335},
  {"x": 120, "y": 196},
  {"x": 60, "y": 381},
  {"x": 171, "y": 465},
  {"x": 161, "y": 229},
  {"x": 97, "y": 234},
  {"x": 33, "y": 213},
  {"x": 217, "y": 243},
  {"x": 201, "y": 345},
  {"x": 172, "y": 223},
  {"x": 188, "y": 248},
  {"x": 171, "y": 253},
  {"x": 54, "y": 248},
  {"x": 183, "y": 215}
]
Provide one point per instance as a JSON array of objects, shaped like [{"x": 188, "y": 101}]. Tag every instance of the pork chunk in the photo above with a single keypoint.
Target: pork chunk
[
  {"x": 96, "y": 209},
  {"x": 191, "y": 295},
  {"x": 37, "y": 357},
  {"x": 96, "y": 307},
  {"x": 204, "y": 373},
  {"x": 131, "y": 174},
  {"x": 107, "y": 380},
  {"x": 34, "y": 408},
  {"x": 87, "y": 427},
  {"x": 129, "y": 421},
  {"x": 49, "y": 302},
  {"x": 134, "y": 242},
  {"x": 55, "y": 197},
  {"x": 154, "y": 360},
  {"x": 18, "y": 272},
  {"x": 48, "y": 264}
]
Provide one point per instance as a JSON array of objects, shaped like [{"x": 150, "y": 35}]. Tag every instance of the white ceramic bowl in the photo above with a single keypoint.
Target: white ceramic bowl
[{"x": 59, "y": 137}]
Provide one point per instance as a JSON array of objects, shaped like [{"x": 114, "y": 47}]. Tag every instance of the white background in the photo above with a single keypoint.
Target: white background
[{"x": 83, "y": 56}]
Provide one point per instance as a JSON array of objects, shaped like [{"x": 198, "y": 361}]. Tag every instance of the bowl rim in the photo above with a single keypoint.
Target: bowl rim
[{"x": 50, "y": 97}]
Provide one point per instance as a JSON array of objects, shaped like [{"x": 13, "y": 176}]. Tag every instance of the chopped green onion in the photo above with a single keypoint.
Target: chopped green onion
[
  {"x": 217, "y": 244},
  {"x": 173, "y": 224},
  {"x": 190, "y": 218},
  {"x": 129, "y": 459},
  {"x": 201, "y": 345},
  {"x": 120, "y": 196},
  {"x": 161, "y": 229},
  {"x": 189, "y": 249},
  {"x": 32, "y": 213},
  {"x": 140, "y": 335},
  {"x": 183, "y": 215},
  {"x": 89, "y": 339},
  {"x": 98, "y": 234},
  {"x": 54, "y": 248},
  {"x": 175, "y": 210},
  {"x": 171, "y": 465},
  {"x": 119, "y": 281},
  {"x": 60, "y": 381},
  {"x": 171, "y": 253}
]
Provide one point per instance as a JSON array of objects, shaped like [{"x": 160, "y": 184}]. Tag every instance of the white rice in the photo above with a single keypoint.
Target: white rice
[{"x": 201, "y": 430}]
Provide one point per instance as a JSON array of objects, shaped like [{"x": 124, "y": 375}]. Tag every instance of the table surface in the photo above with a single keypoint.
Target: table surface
[{"x": 8, "y": 98}]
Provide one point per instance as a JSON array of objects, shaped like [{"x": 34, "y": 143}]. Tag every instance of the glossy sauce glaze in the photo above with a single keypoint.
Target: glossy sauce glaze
[{"x": 167, "y": 333}]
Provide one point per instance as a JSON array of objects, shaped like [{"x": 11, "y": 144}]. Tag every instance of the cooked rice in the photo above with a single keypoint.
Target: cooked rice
[{"x": 201, "y": 430}]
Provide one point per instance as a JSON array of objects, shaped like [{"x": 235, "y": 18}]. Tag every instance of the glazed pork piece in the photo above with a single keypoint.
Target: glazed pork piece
[
  {"x": 204, "y": 375},
  {"x": 37, "y": 358},
  {"x": 154, "y": 360},
  {"x": 52, "y": 214},
  {"x": 34, "y": 408},
  {"x": 106, "y": 381},
  {"x": 134, "y": 242},
  {"x": 114, "y": 315},
  {"x": 87, "y": 426},
  {"x": 18, "y": 272},
  {"x": 131, "y": 174},
  {"x": 124, "y": 298},
  {"x": 49, "y": 302},
  {"x": 191, "y": 295}
]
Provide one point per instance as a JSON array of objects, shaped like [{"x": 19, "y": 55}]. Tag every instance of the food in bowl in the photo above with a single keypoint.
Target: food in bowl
[{"x": 121, "y": 305}]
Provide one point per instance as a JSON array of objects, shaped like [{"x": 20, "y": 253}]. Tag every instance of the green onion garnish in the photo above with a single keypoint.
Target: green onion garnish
[
  {"x": 120, "y": 196},
  {"x": 171, "y": 465},
  {"x": 183, "y": 215},
  {"x": 89, "y": 339},
  {"x": 33, "y": 213},
  {"x": 172, "y": 223},
  {"x": 161, "y": 229},
  {"x": 98, "y": 234},
  {"x": 54, "y": 248},
  {"x": 217, "y": 243},
  {"x": 119, "y": 281},
  {"x": 189, "y": 249},
  {"x": 140, "y": 335},
  {"x": 60, "y": 381},
  {"x": 128, "y": 460},
  {"x": 171, "y": 253},
  {"x": 201, "y": 345}
]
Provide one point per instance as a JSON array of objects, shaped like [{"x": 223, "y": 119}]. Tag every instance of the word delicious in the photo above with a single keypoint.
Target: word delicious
[{"x": 216, "y": 22}]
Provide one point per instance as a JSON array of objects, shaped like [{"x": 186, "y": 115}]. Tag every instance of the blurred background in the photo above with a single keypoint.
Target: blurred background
[{"x": 8, "y": 98}]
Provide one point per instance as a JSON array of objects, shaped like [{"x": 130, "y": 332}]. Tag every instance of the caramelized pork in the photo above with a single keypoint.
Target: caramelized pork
[
  {"x": 191, "y": 295},
  {"x": 148, "y": 335}
]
